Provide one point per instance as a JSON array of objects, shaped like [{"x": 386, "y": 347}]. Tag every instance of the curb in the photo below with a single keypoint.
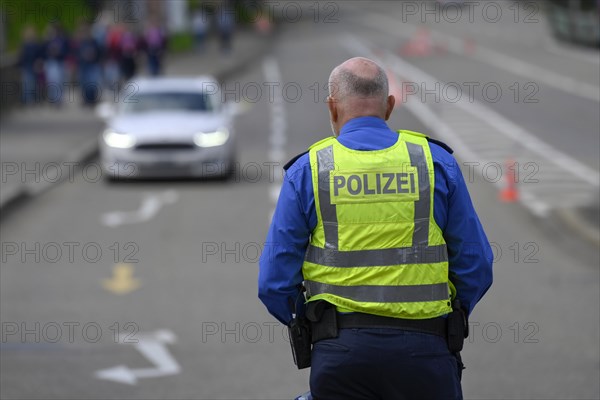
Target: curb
[
  {"x": 243, "y": 64},
  {"x": 25, "y": 191}
]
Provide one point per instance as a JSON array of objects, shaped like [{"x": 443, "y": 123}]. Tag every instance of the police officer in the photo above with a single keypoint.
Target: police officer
[{"x": 379, "y": 228}]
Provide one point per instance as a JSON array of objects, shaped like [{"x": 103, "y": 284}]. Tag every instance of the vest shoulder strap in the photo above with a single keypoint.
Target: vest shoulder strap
[
  {"x": 441, "y": 144},
  {"x": 413, "y": 137},
  {"x": 413, "y": 133},
  {"x": 321, "y": 142},
  {"x": 293, "y": 160},
  {"x": 313, "y": 146},
  {"x": 431, "y": 140}
]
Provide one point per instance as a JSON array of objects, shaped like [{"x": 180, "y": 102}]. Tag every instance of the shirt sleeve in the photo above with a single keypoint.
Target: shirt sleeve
[
  {"x": 470, "y": 256},
  {"x": 280, "y": 264}
]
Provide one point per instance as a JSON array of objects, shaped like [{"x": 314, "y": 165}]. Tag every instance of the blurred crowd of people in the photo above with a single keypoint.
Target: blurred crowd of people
[
  {"x": 201, "y": 26},
  {"x": 96, "y": 57}
]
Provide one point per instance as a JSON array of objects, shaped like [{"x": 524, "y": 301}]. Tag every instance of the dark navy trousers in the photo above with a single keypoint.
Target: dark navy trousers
[{"x": 384, "y": 364}]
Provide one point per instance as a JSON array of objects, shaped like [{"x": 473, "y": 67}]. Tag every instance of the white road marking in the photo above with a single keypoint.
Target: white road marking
[
  {"x": 151, "y": 205},
  {"x": 582, "y": 54},
  {"x": 507, "y": 127},
  {"x": 492, "y": 57},
  {"x": 278, "y": 134},
  {"x": 550, "y": 78},
  {"x": 152, "y": 346},
  {"x": 542, "y": 39},
  {"x": 480, "y": 134}
]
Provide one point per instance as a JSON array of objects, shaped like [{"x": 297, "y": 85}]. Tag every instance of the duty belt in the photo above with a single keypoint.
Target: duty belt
[
  {"x": 434, "y": 326},
  {"x": 326, "y": 322}
]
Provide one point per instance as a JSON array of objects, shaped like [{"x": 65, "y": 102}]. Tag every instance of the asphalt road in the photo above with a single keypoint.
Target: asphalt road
[{"x": 189, "y": 259}]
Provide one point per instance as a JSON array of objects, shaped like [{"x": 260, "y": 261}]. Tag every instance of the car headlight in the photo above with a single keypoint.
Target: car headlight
[
  {"x": 118, "y": 140},
  {"x": 211, "y": 139}
]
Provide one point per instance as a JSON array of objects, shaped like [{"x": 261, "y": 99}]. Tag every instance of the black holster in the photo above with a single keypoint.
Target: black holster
[
  {"x": 458, "y": 328},
  {"x": 300, "y": 340},
  {"x": 323, "y": 318}
]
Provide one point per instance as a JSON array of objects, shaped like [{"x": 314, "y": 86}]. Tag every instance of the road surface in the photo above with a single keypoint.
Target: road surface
[{"x": 148, "y": 290}]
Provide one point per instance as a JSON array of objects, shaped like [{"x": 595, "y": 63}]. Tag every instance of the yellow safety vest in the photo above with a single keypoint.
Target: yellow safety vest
[{"x": 376, "y": 248}]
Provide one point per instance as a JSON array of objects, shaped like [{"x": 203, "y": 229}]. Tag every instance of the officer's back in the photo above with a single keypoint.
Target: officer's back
[{"x": 372, "y": 223}]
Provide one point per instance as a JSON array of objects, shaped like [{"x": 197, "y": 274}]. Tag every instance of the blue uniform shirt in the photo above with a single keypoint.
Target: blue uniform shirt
[{"x": 469, "y": 252}]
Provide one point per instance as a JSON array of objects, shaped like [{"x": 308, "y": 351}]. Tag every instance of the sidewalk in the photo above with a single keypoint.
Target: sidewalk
[{"x": 41, "y": 146}]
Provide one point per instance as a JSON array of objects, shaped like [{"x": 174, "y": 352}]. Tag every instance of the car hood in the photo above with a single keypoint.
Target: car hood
[{"x": 166, "y": 126}]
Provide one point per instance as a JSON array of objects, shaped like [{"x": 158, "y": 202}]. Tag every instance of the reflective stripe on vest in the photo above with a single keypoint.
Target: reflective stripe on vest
[
  {"x": 379, "y": 257},
  {"x": 404, "y": 187},
  {"x": 381, "y": 294},
  {"x": 328, "y": 212}
]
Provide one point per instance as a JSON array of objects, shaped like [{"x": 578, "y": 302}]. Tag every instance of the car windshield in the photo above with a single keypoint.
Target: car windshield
[{"x": 167, "y": 101}]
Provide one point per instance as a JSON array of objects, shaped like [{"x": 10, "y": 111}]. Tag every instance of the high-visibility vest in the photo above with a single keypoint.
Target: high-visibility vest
[{"x": 376, "y": 248}]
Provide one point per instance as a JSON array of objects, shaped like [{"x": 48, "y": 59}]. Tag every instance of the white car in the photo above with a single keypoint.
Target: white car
[{"x": 168, "y": 127}]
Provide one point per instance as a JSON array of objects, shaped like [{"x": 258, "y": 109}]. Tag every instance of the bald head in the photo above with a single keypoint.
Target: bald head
[
  {"x": 357, "y": 88},
  {"x": 358, "y": 78}
]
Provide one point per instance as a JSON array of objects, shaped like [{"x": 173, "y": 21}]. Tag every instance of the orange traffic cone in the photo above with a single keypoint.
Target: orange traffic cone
[
  {"x": 419, "y": 45},
  {"x": 509, "y": 193},
  {"x": 264, "y": 26}
]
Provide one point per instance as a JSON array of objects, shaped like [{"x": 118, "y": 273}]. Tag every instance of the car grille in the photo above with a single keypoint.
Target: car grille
[{"x": 165, "y": 146}]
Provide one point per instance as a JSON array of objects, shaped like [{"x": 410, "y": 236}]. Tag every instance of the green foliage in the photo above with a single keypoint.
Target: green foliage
[
  {"x": 17, "y": 14},
  {"x": 180, "y": 42}
]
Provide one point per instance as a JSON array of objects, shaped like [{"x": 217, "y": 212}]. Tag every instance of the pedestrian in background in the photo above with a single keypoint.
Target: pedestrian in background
[
  {"x": 100, "y": 32},
  {"x": 129, "y": 46},
  {"x": 30, "y": 61},
  {"x": 88, "y": 56},
  {"x": 200, "y": 26},
  {"x": 154, "y": 42},
  {"x": 55, "y": 51},
  {"x": 226, "y": 25},
  {"x": 112, "y": 56},
  {"x": 379, "y": 228}
]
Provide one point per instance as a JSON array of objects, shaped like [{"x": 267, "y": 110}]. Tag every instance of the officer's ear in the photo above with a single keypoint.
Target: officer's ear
[
  {"x": 332, "y": 105},
  {"x": 391, "y": 101}
]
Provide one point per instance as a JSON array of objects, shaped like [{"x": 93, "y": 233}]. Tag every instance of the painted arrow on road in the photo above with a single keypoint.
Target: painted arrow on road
[
  {"x": 151, "y": 205},
  {"x": 122, "y": 280},
  {"x": 152, "y": 346}
]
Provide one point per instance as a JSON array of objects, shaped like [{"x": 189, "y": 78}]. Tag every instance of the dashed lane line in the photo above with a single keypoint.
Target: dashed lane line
[{"x": 278, "y": 127}]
